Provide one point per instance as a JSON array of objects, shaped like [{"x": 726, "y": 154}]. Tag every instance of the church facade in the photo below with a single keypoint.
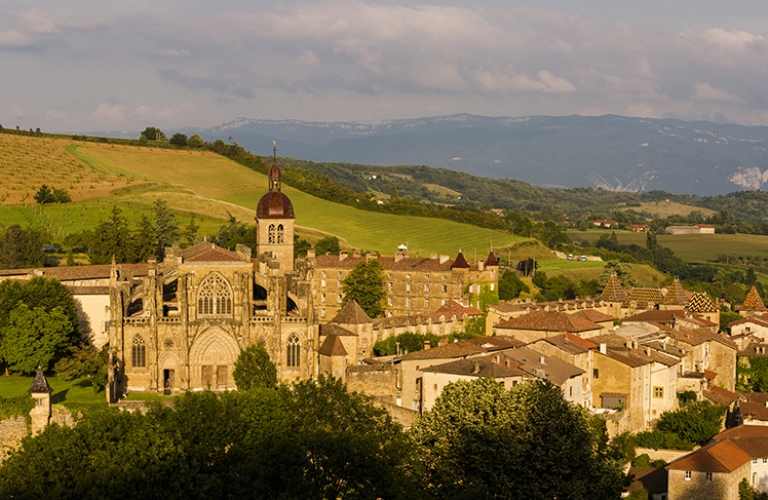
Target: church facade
[{"x": 182, "y": 325}]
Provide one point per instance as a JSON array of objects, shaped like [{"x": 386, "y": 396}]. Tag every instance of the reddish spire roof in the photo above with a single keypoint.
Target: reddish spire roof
[
  {"x": 491, "y": 260},
  {"x": 460, "y": 262}
]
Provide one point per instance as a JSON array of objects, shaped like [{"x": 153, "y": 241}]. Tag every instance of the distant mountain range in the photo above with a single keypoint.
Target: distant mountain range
[{"x": 612, "y": 152}]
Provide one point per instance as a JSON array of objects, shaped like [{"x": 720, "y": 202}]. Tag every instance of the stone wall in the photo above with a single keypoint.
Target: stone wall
[
  {"x": 378, "y": 381},
  {"x": 12, "y": 430}
]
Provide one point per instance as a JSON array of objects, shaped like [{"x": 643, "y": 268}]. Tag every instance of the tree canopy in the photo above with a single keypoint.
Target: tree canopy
[
  {"x": 365, "y": 284},
  {"x": 253, "y": 368}
]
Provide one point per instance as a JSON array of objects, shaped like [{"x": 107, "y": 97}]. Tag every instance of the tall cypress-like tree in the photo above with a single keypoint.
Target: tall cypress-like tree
[
  {"x": 112, "y": 238},
  {"x": 144, "y": 240},
  {"x": 166, "y": 228}
]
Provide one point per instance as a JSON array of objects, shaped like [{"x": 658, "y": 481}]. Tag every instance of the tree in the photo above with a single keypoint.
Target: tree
[
  {"x": 153, "y": 134},
  {"x": 510, "y": 285},
  {"x": 698, "y": 422},
  {"x": 166, "y": 228},
  {"x": 144, "y": 241},
  {"x": 253, "y": 368},
  {"x": 11, "y": 251},
  {"x": 34, "y": 337},
  {"x": 61, "y": 195},
  {"x": 85, "y": 362},
  {"x": 189, "y": 235},
  {"x": 329, "y": 244},
  {"x": 195, "y": 142},
  {"x": 300, "y": 246},
  {"x": 365, "y": 285},
  {"x": 49, "y": 294},
  {"x": 621, "y": 270},
  {"x": 44, "y": 195},
  {"x": 179, "y": 139},
  {"x": 482, "y": 441},
  {"x": 111, "y": 239}
]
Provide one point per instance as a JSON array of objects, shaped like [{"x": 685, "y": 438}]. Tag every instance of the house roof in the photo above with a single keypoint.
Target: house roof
[
  {"x": 753, "y": 302},
  {"x": 351, "y": 314},
  {"x": 332, "y": 346},
  {"x": 657, "y": 315},
  {"x": 333, "y": 329},
  {"x": 675, "y": 296},
  {"x": 593, "y": 315},
  {"x": 477, "y": 367},
  {"x": 205, "y": 251},
  {"x": 453, "y": 307},
  {"x": 701, "y": 303},
  {"x": 553, "y": 369},
  {"x": 452, "y": 350},
  {"x": 721, "y": 396},
  {"x": 570, "y": 343},
  {"x": 71, "y": 273},
  {"x": 491, "y": 260},
  {"x": 491, "y": 344},
  {"x": 698, "y": 336},
  {"x": 743, "y": 431},
  {"x": 643, "y": 297},
  {"x": 756, "y": 349},
  {"x": 722, "y": 456},
  {"x": 40, "y": 384},
  {"x": 550, "y": 321},
  {"x": 613, "y": 291},
  {"x": 758, "y": 320},
  {"x": 460, "y": 262},
  {"x": 757, "y": 411}
]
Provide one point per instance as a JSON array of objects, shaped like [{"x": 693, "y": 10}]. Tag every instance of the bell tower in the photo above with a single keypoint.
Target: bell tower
[{"x": 275, "y": 221}]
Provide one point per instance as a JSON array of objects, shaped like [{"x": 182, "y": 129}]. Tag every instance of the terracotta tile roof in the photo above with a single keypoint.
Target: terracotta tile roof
[
  {"x": 722, "y": 456},
  {"x": 756, "y": 447},
  {"x": 660, "y": 316},
  {"x": 331, "y": 329},
  {"x": 570, "y": 343},
  {"x": 755, "y": 397},
  {"x": 550, "y": 321},
  {"x": 351, "y": 314},
  {"x": 332, "y": 347},
  {"x": 40, "y": 384},
  {"x": 753, "y": 302},
  {"x": 490, "y": 344},
  {"x": 757, "y": 411},
  {"x": 205, "y": 251},
  {"x": 701, "y": 303},
  {"x": 758, "y": 320},
  {"x": 593, "y": 315},
  {"x": 676, "y": 296},
  {"x": 613, "y": 291},
  {"x": 743, "y": 431},
  {"x": 478, "y": 367},
  {"x": 453, "y": 307},
  {"x": 721, "y": 396},
  {"x": 643, "y": 298},
  {"x": 553, "y": 369},
  {"x": 452, "y": 350}
]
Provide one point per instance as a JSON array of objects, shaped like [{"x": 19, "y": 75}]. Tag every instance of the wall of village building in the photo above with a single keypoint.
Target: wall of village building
[
  {"x": 93, "y": 309},
  {"x": 583, "y": 361},
  {"x": 420, "y": 288},
  {"x": 433, "y": 384},
  {"x": 612, "y": 376},
  {"x": 701, "y": 485}
]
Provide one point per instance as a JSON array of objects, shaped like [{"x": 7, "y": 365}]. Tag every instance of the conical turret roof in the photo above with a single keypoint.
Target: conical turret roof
[
  {"x": 753, "y": 302},
  {"x": 351, "y": 314},
  {"x": 676, "y": 295},
  {"x": 40, "y": 384},
  {"x": 613, "y": 291},
  {"x": 460, "y": 262}
]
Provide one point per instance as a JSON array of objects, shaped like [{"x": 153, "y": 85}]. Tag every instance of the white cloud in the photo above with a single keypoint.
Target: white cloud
[
  {"x": 507, "y": 81},
  {"x": 707, "y": 92},
  {"x": 13, "y": 39},
  {"x": 308, "y": 58}
]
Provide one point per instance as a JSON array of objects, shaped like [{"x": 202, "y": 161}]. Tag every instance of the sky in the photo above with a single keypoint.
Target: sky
[{"x": 91, "y": 65}]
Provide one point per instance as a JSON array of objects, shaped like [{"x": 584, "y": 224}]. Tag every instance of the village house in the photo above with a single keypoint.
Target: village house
[
  {"x": 574, "y": 350},
  {"x": 536, "y": 325}
]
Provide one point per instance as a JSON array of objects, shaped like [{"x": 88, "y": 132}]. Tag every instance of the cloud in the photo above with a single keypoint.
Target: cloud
[
  {"x": 507, "y": 81},
  {"x": 13, "y": 39},
  {"x": 706, "y": 92},
  {"x": 308, "y": 58}
]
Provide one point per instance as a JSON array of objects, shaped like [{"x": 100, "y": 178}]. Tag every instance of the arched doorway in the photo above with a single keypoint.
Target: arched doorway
[{"x": 212, "y": 359}]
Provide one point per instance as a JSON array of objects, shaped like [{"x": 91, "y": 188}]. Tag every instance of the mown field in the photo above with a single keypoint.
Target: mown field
[
  {"x": 663, "y": 209},
  {"x": 207, "y": 184},
  {"x": 691, "y": 247}
]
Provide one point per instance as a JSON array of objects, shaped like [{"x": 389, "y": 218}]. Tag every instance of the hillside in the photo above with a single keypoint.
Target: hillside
[{"x": 210, "y": 185}]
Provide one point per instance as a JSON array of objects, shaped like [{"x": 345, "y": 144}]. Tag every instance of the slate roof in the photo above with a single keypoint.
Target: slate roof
[
  {"x": 351, "y": 314},
  {"x": 205, "y": 251},
  {"x": 460, "y": 262},
  {"x": 40, "y": 384},
  {"x": 613, "y": 291},
  {"x": 491, "y": 260},
  {"x": 701, "y": 303},
  {"x": 722, "y": 456},
  {"x": 550, "y": 321},
  {"x": 753, "y": 302},
  {"x": 332, "y": 346}
]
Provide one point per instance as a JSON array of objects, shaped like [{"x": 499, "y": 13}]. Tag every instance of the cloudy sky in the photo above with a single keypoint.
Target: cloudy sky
[{"x": 87, "y": 65}]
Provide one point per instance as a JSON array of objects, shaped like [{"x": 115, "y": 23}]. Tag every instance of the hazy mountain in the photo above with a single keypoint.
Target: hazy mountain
[{"x": 613, "y": 152}]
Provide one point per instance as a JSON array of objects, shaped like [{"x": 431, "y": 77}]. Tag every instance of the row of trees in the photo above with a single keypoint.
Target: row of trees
[
  {"x": 51, "y": 195},
  {"x": 314, "y": 440},
  {"x": 22, "y": 247}
]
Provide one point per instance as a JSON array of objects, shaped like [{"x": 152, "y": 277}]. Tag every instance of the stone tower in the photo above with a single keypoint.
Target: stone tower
[
  {"x": 274, "y": 224},
  {"x": 41, "y": 393}
]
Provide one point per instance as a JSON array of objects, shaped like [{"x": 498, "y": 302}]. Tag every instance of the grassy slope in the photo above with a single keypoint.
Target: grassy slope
[
  {"x": 666, "y": 208},
  {"x": 691, "y": 247},
  {"x": 210, "y": 176}
]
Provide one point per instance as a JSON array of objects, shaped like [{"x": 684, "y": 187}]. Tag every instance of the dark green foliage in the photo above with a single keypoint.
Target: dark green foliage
[
  {"x": 44, "y": 195},
  {"x": 624, "y": 447},
  {"x": 21, "y": 248},
  {"x": 365, "y": 284},
  {"x": 195, "y": 142},
  {"x": 645, "y": 461},
  {"x": 748, "y": 492},
  {"x": 34, "y": 337},
  {"x": 726, "y": 318},
  {"x": 481, "y": 441},
  {"x": 638, "y": 495},
  {"x": 85, "y": 362},
  {"x": 20, "y": 406},
  {"x": 235, "y": 232},
  {"x": 405, "y": 342},
  {"x": 698, "y": 422},
  {"x": 687, "y": 397},
  {"x": 659, "y": 439},
  {"x": 310, "y": 441},
  {"x": 753, "y": 377},
  {"x": 153, "y": 134},
  {"x": 329, "y": 244},
  {"x": 143, "y": 241},
  {"x": 510, "y": 286},
  {"x": 166, "y": 228},
  {"x": 189, "y": 235},
  {"x": 253, "y": 368},
  {"x": 111, "y": 239},
  {"x": 61, "y": 195},
  {"x": 300, "y": 246},
  {"x": 179, "y": 139}
]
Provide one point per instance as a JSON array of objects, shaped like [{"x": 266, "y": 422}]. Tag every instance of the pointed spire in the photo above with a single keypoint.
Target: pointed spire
[
  {"x": 460, "y": 262},
  {"x": 676, "y": 295},
  {"x": 491, "y": 260},
  {"x": 753, "y": 302},
  {"x": 613, "y": 292},
  {"x": 274, "y": 171},
  {"x": 40, "y": 384}
]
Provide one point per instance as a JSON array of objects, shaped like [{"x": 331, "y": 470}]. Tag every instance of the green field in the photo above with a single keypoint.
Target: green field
[
  {"x": 690, "y": 247},
  {"x": 577, "y": 270},
  {"x": 663, "y": 209},
  {"x": 76, "y": 395}
]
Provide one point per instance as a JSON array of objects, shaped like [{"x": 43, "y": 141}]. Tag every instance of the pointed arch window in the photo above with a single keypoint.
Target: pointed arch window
[
  {"x": 271, "y": 237},
  {"x": 280, "y": 234},
  {"x": 138, "y": 352},
  {"x": 293, "y": 353},
  {"x": 214, "y": 297}
]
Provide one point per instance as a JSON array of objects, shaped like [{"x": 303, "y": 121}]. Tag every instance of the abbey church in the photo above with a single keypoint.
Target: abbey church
[{"x": 182, "y": 326}]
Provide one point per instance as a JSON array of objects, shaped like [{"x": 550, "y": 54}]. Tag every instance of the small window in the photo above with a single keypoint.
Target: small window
[
  {"x": 322, "y": 283},
  {"x": 445, "y": 288},
  {"x": 445, "y": 277},
  {"x": 407, "y": 276},
  {"x": 408, "y": 288},
  {"x": 754, "y": 461},
  {"x": 408, "y": 302},
  {"x": 338, "y": 299},
  {"x": 658, "y": 392},
  {"x": 322, "y": 274},
  {"x": 322, "y": 313},
  {"x": 338, "y": 284},
  {"x": 765, "y": 461},
  {"x": 595, "y": 373},
  {"x": 493, "y": 286},
  {"x": 709, "y": 477},
  {"x": 426, "y": 287},
  {"x": 389, "y": 301},
  {"x": 687, "y": 475},
  {"x": 426, "y": 303},
  {"x": 339, "y": 273},
  {"x": 389, "y": 275},
  {"x": 322, "y": 298},
  {"x": 389, "y": 286}
]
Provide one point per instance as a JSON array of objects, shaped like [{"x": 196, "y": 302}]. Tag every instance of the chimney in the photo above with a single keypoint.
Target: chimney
[
  {"x": 647, "y": 351},
  {"x": 398, "y": 256},
  {"x": 480, "y": 265},
  {"x": 433, "y": 256},
  {"x": 603, "y": 348},
  {"x": 427, "y": 345},
  {"x": 356, "y": 253},
  {"x": 311, "y": 253},
  {"x": 542, "y": 360},
  {"x": 444, "y": 258},
  {"x": 343, "y": 255}
]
